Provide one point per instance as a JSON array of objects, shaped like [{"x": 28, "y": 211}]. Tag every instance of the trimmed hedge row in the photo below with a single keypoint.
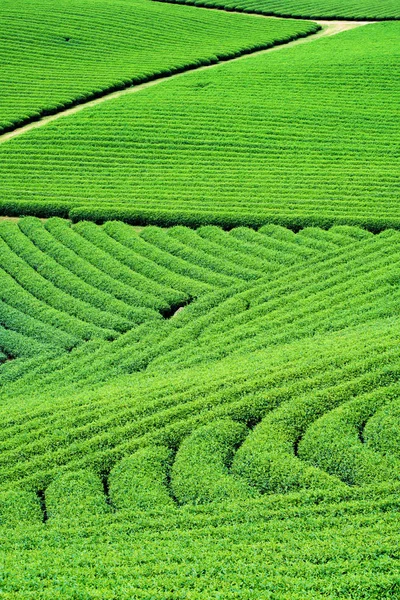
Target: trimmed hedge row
[
  {"x": 111, "y": 257},
  {"x": 14, "y": 344},
  {"x": 139, "y": 482},
  {"x": 227, "y": 220},
  {"x": 157, "y": 259},
  {"x": 268, "y": 458},
  {"x": 160, "y": 141},
  {"x": 193, "y": 219},
  {"x": 232, "y": 264},
  {"x": 60, "y": 299},
  {"x": 16, "y": 296},
  {"x": 351, "y": 288},
  {"x": 57, "y": 240},
  {"x": 19, "y": 507},
  {"x": 30, "y": 327},
  {"x": 333, "y": 442},
  {"x": 200, "y": 472},
  {"x": 382, "y": 431},
  {"x": 103, "y": 429},
  {"x": 76, "y": 496},
  {"x": 367, "y": 10},
  {"x": 89, "y": 303},
  {"x": 192, "y": 261},
  {"x": 347, "y": 288},
  {"x": 116, "y": 240}
]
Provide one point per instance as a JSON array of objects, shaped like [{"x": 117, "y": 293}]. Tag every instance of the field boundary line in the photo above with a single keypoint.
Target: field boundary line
[{"x": 328, "y": 28}]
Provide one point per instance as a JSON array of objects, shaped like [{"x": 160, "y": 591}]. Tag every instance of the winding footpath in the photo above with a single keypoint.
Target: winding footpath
[{"x": 328, "y": 28}]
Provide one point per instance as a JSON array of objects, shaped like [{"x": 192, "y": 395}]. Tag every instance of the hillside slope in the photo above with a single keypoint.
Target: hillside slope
[
  {"x": 66, "y": 53},
  {"x": 180, "y": 458},
  {"x": 219, "y": 147}
]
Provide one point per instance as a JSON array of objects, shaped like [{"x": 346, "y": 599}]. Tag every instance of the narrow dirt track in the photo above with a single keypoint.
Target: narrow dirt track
[{"x": 328, "y": 28}]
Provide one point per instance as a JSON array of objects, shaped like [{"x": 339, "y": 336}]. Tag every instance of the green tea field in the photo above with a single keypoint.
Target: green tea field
[{"x": 199, "y": 300}]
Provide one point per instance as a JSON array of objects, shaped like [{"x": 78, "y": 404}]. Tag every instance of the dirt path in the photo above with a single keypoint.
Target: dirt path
[{"x": 328, "y": 28}]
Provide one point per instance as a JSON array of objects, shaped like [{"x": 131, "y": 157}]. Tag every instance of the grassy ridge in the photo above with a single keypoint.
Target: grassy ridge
[
  {"x": 228, "y": 131},
  {"x": 78, "y": 52}
]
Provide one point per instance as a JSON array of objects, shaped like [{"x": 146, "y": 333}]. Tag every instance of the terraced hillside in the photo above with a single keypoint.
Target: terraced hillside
[
  {"x": 276, "y": 377},
  {"x": 197, "y": 402},
  {"x": 66, "y": 53},
  {"x": 219, "y": 147}
]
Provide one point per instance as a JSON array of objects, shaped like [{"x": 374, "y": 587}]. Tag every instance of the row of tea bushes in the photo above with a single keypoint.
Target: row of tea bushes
[{"x": 64, "y": 284}]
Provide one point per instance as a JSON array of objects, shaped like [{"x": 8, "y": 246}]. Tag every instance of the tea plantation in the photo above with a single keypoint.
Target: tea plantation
[
  {"x": 199, "y": 301},
  {"x": 65, "y": 53},
  {"x": 230, "y": 130},
  {"x": 315, "y": 9}
]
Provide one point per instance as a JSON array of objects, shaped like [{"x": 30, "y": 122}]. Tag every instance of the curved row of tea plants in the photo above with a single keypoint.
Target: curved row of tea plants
[
  {"x": 62, "y": 284},
  {"x": 176, "y": 441},
  {"x": 199, "y": 413},
  {"x": 340, "y": 547}
]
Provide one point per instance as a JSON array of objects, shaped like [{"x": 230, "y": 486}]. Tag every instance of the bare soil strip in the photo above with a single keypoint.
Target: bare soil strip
[{"x": 328, "y": 28}]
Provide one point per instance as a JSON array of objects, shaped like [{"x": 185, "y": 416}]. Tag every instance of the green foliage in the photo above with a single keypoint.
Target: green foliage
[
  {"x": 137, "y": 40},
  {"x": 75, "y": 495},
  {"x": 195, "y": 408},
  {"x": 293, "y": 334},
  {"x": 314, "y": 9},
  {"x": 293, "y": 547},
  {"x": 138, "y": 482},
  {"x": 334, "y": 443},
  {"x": 19, "y": 508},
  {"x": 200, "y": 472},
  {"x": 382, "y": 431},
  {"x": 219, "y": 147}
]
